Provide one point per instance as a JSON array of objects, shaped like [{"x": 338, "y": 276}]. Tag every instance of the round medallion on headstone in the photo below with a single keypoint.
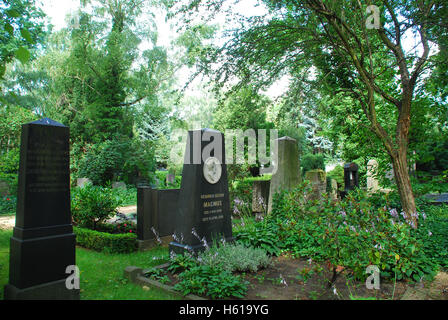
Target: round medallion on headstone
[{"x": 212, "y": 170}]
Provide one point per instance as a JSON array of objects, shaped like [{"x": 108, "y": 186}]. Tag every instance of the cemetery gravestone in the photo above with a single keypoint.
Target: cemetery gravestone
[
  {"x": 119, "y": 185},
  {"x": 351, "y": 177},
  {"x": 287, "y": 172},
  {"x": 372, "y": 182},
  {"x": 260, "y": 196},
  {"x": 318, "y": 182},
  {"x": 334, "y": 189},
  {"x": 204, "y": 209},
  {"x": 156, "y": 212},
  {"x": 81, "y": 182},
  {"x": 43, "y": 243}
]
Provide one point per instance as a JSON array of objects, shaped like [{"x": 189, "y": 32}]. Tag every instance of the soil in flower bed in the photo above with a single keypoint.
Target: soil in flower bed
[{"x": 298, "y": 279}]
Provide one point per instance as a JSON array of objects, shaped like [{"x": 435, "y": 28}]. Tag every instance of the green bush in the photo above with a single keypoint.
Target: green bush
[
  {"x": 9, "y": 169},
  {"x": 203, "y": 279},
  {"x": 92, "y": 205},
  {"x": 211, "y": 281},
  {"x": 8, "y": 204},
  {"x": 240, "y": 193},
  {"x": 118, "y": 227},
  {"x": 120, "y": 158},
  {"x": 311, "y": 161},
  {"x": 351, "y": 233},
  {"x": 259, "y": 235},
  {"x": 128, "y": 196},
  {"x": 337, "y": 174},
  {"x": 161, "y": 177},
  {"x": 433, "y": 233},
  {"x": 103, "y": 241}
]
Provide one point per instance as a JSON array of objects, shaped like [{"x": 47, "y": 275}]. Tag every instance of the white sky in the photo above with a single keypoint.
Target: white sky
[{"x": 57, "y": 10}]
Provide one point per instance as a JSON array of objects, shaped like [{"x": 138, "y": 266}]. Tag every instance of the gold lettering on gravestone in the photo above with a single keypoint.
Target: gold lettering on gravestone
[
  {"x": 216, "y": 212},
  {"x": 50, "y": 168}
]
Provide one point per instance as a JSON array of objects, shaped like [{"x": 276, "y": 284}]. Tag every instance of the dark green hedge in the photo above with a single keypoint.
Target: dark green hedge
[{"x": 102, "y": 241}]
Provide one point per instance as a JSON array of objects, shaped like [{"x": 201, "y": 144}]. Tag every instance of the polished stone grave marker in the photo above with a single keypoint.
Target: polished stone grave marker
[
  {"x": 156, "y": 214},
  {"x": 351, "y": 177},
  {"x": 204, "y": 209},
  {"x": 43, "y": 242}
]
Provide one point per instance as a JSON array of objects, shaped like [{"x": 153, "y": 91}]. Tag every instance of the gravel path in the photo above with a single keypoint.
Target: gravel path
[{"x": 9, "y": 222}]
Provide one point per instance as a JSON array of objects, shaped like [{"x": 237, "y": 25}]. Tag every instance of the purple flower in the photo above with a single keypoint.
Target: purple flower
[
  {"x": 394, "y": 213},
  {"x": 429, "y": 233},
  {"x": 193, "y": 232},
  {"x": 156, "y": 234}
]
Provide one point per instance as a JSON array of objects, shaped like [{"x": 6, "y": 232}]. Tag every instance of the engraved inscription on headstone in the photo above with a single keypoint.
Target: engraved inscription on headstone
[
  {"x": 43, "y": 243},
  {"x": 204, "y": 209}
]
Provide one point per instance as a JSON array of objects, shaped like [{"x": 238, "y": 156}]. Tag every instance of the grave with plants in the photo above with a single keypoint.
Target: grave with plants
[{"x": 317, "y": 249}]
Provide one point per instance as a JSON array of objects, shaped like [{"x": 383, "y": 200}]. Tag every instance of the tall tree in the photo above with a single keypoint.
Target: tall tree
[{"x": 349, "y": 48}]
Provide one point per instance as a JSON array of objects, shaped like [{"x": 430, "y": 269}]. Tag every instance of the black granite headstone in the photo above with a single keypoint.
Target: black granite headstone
[
  {"x": 43, "y": 242},
  {"x": 156, "y": 213},
  {"x": 204, "y": 209},
  {"x": 351, "y": 177}
]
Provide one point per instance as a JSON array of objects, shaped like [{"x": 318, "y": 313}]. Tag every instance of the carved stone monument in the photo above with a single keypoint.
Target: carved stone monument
[
  {"x": 204, "y": 210},
  {"x": 43, "y": 243},
  {"x": 287, "y": 168},
  {"x": 351, "y": 177}
]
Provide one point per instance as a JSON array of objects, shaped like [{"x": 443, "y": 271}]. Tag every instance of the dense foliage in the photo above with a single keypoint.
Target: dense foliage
[
  {"x": 104, "y": 241},
  {"x": 92, "y": 205},
  {"x": 211, "y": 272},
  {"x": 353, "y": 233}
]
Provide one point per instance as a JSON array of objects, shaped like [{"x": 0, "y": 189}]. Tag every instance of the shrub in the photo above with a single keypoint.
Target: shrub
[
  {"x": 211, "y": 281},
  {"x": 116, "y": 228},
  {"x": 121, "y": 158},
  {"x": 259, "y": 235},
  {"x": 8, "y": 204},
  {"x": 92, "y": 205},
  {"x": 9, "y": 169},
  {"x": 337, "y": 174},
  {"x": 127, "y": 196},
  {"x": 235, "y": 257},
  {"x": 161, "y": 177},
  {"x": 351, "y": 233},
  {"x": 240, "y": 193},
  {"x": 311, "y": 161},
  {"x": 102, "y": 241},
  {"x": 433, "y": 233}
]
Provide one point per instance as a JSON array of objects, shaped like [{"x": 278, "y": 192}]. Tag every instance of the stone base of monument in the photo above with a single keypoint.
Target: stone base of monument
[
  {"x": 55, "y": 290},
  {"x": 144, "y": 245}
]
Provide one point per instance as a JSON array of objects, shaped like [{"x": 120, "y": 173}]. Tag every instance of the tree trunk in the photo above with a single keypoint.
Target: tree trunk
[{"x": 401, "y": 172}]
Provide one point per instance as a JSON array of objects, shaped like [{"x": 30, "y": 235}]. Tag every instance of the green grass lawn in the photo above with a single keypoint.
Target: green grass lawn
[{"x": 101, "y": 274}]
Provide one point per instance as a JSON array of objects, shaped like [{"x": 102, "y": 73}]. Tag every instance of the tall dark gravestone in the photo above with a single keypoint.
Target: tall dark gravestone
[
  {"x": 204, "y": 210},
  {"x": 43, "y": 242},
  {"x": 351, "y": 177}
]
